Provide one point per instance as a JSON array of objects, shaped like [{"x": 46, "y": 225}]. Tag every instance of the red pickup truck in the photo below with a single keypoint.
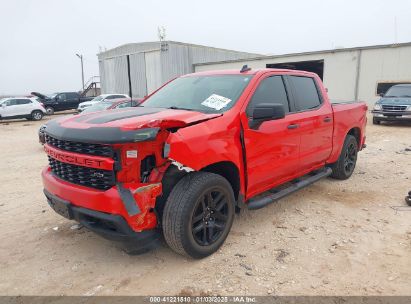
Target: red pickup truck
[{"x": 196, "y": 151}]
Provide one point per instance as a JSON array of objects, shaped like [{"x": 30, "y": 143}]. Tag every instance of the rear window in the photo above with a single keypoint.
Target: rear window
[
  {"x": 305, "y": 93},
  {"x": 23, "y": 101}
]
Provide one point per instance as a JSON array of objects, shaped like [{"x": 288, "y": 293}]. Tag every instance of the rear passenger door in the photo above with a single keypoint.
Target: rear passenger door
[
  {"x": 25, "y": 106},
  {"x": 72, "y": 100},
  {"x": 314, "y": 120},
  {"x": 272, "y": 149}
]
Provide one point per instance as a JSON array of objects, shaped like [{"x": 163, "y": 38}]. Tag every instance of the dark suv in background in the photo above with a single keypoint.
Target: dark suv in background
[
  {"x": 61, "y": 101},
  {"x": 395, "y": 105}
]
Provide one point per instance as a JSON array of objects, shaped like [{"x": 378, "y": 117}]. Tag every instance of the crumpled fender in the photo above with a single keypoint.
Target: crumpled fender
[{"x": 203, "y": 144}]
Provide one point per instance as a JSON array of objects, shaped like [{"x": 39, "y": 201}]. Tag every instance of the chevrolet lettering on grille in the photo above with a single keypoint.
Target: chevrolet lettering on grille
[{"x": 75, "y": 159}]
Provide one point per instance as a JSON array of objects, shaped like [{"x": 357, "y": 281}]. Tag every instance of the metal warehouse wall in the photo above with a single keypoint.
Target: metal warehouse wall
[
  {"x": 391, "y": 64},
  {"x": 342, "y": 67},
  {"x": 152, "y": 64}
]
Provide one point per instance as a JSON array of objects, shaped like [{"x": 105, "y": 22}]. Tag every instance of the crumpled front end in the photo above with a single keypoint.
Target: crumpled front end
[
  {"x": 119, "y": 179},
  {"x": 106, "y": 170}
]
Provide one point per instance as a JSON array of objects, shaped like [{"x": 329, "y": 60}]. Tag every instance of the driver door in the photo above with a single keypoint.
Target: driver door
[
  {"x": 272, "y": 148},
  {"x": 10, "y": 109}
]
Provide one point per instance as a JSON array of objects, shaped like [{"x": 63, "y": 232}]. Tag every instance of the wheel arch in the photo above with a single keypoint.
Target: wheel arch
[
  {"x": 173, "y": 175},
  {"x": 229, "y": 171},
  {"x": 356, "y": 132}
]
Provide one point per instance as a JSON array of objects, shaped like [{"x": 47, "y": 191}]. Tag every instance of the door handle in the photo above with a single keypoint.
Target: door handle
[
  {"x": 327, "y": 119},
  {"x": 293, "y": 126}
]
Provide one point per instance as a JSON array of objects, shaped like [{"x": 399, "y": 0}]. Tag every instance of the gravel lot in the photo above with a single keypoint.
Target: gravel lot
[{"x": 332, "y": 238}]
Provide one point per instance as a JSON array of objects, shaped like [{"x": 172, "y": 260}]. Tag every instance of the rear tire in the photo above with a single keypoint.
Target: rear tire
[
  {"x": 37, "y": 115},
  {"x": 345, "y": 165},
  {"x": 49, "y": 110},
  {"x": 198, "y": 214},
  {"x": 375, "y": 121}
]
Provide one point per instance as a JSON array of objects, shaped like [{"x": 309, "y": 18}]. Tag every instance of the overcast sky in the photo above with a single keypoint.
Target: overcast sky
[{"x": 39, "y": 38}]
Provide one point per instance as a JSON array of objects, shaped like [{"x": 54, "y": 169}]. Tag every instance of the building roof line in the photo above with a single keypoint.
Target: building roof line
[
  {"x": 264, "y": 57},
  {"x": 172, "y": 42}
]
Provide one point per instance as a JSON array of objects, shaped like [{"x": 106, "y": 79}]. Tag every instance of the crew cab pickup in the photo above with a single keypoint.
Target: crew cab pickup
[
  {"x": 200, "y": 148},
  {"x": 61, "y": 101}
]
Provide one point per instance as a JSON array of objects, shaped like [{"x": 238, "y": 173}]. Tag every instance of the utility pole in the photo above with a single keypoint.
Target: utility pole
[{"x": 82, "y": 70}]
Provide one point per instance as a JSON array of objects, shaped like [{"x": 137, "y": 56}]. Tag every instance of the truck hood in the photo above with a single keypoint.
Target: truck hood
[
  {"x": 395, "y": 101},
  {"x": 41, "y": 96},
  {"x": 123, "y": 125}
]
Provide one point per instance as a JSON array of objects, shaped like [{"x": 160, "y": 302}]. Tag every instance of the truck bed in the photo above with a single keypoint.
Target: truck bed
[{"x": 348, "y": 116}]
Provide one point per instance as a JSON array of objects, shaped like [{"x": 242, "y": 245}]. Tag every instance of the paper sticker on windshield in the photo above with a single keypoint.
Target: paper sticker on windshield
[{"x": 216, "y": 102}]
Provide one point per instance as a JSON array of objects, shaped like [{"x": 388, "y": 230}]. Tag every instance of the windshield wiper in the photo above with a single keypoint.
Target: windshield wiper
[
  {"x": 179, "y": 108},
  {"x": 405, "y": 96}
]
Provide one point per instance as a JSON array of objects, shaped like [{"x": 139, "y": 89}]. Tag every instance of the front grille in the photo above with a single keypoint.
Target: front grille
[
  {"x": 393, "y": 108},
  {"x": 84, "y": 176},
  {"x": 79, "y": 147}
]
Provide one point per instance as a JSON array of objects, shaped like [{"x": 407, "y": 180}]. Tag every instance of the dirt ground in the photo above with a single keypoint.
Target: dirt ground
[{"x": 332, "y": 238}]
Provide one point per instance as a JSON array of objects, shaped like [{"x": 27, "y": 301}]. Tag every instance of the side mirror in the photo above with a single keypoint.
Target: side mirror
[
  {"x": 266, "y": 111},
  {"x": 381, "y": 94}
]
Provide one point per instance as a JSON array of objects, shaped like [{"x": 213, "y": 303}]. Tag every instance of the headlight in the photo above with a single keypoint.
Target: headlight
[
  {"x": 377, "y": 107},
  {"x": 409, "y": 108}
]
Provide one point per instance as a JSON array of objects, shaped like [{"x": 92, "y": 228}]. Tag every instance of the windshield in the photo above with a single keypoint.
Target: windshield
[
  {"x": 209, "y": 94},
  {"x": 98, "y": 98},
  {"x": 98, "y": 107},
  {"x": 3, "y": 100},
  {"x": 52, "y": 95},
  {"x": 399, "y": 91}
]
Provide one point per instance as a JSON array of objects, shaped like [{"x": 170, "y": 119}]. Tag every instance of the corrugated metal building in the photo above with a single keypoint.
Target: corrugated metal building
[
  {"x": 359, "y": 73},
  {"x": 146, "y": 66}
]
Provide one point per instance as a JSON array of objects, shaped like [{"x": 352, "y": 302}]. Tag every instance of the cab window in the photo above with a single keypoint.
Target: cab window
[
  {"x": 23, "y": 101},
  {"x": 270, "y": 90},
  {"x": 305, "y": 93},
  {"x": 12, "y": 102},
  {"x": 61, "y": 96}
]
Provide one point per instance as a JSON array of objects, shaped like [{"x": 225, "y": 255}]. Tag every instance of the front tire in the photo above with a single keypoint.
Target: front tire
[
  {"x": 37, "y": 115},
  {"x": 50, "y": 110},
  {"x": 198, "y": 214},
  {"x": 345, "y": 165}
]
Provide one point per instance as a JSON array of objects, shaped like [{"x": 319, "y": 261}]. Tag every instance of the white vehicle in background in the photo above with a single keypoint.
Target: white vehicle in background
[
  {"x": 21, "y": 107},
  {"x": 103, "y": 97}
]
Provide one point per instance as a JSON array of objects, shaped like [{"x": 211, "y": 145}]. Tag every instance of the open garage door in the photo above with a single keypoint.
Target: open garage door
[{"x": 315, "y": 66}]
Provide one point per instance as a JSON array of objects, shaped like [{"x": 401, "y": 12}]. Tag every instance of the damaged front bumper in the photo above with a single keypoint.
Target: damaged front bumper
[{"x": 123, "y": 213}]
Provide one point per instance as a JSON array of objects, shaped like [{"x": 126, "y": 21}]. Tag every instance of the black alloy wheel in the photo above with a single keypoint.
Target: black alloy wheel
[
  {"x": 350, "y": 158},
  {"x": 210, "y": 217}
]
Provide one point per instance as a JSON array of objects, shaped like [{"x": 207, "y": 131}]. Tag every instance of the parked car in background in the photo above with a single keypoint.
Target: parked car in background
[
  {"x": 100, "y": 98},
  {"x": 42, "y": 137},
  {"x": 21, "y": 107},
  {"x": 112, "y": 104},
  {"x": 61, "y": 101},
  {"x": 395, "y": 105}
]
